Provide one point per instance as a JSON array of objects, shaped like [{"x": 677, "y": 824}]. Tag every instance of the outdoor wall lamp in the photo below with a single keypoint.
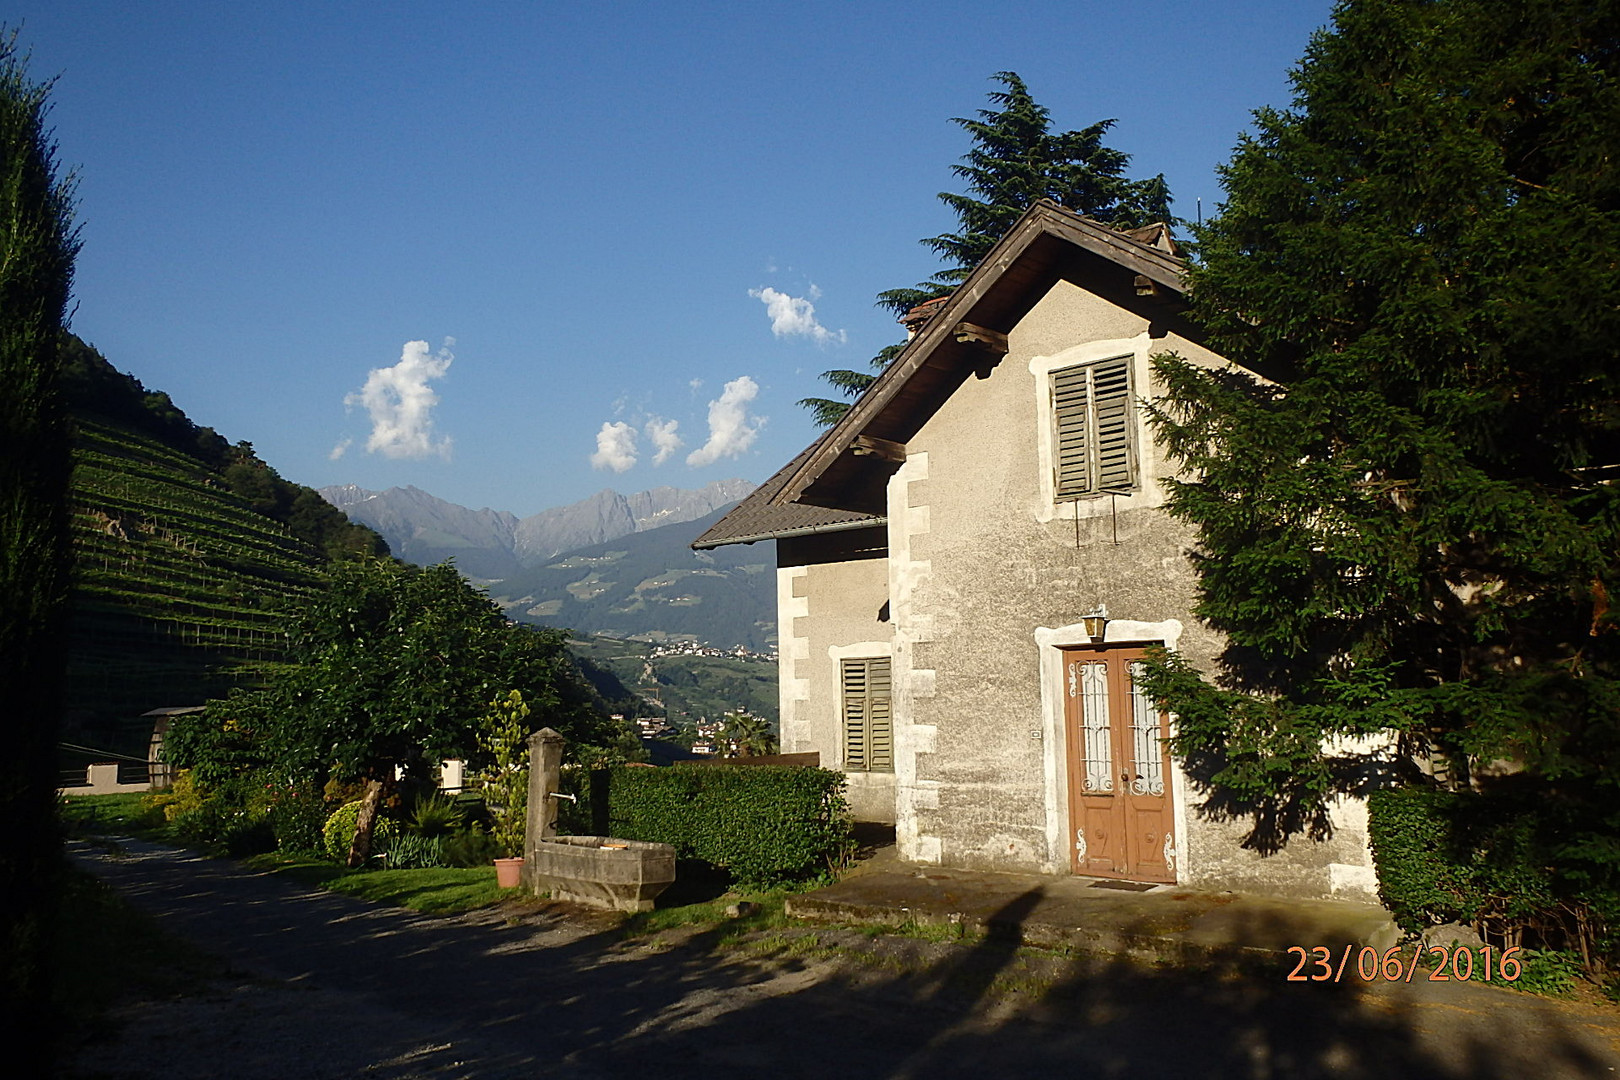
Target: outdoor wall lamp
[{"x": 1096, "y": 621}]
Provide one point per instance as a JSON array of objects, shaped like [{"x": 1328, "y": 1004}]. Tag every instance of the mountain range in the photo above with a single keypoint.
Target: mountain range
[
  {"x": 492, "y": 545},
  {"x": 653, "y": 587}
]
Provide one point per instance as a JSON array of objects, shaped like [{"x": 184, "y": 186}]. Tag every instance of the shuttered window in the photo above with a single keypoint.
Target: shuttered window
[
  {"x": 868, "y": 724},
  {"x": 1093, "y": 451}
]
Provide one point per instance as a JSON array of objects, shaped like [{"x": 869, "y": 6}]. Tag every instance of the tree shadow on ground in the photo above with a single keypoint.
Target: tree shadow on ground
[{"x": 543, "y": 999}]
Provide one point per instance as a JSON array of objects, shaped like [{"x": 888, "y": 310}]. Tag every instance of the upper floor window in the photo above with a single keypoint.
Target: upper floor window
[{"x": 1094, "y": 446}]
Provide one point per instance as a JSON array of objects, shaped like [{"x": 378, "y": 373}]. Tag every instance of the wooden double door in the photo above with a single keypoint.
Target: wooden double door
[{"x": 1121, "y": 810}]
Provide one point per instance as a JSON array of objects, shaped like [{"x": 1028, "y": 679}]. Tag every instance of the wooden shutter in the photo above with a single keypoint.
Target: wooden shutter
[
  {"x": 1093, "y": 422},
  {"x": 1071, "y": 406},
  {"x": 1111, "y": 397},
  {"x": 868, "y": 718}
]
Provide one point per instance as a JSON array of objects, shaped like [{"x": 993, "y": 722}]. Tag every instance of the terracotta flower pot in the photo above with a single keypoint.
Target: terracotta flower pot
[{"x": 509, "y": 872}]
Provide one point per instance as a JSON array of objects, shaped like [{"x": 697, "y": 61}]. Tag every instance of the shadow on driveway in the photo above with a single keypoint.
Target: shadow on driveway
[{"x": 341, "y": 986}]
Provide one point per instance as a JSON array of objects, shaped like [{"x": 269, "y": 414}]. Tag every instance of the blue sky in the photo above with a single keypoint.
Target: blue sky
[{"x": 496, "y": 250}]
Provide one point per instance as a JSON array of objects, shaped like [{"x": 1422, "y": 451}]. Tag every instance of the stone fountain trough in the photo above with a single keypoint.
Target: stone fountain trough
[{"x": 624, "y": 875}]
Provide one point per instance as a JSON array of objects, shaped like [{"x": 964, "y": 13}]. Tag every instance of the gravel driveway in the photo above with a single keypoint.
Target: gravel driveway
[{"x": 329, "y": 986}]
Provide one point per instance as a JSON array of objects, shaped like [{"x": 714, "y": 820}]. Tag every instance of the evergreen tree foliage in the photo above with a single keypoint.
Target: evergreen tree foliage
[
  {"x": 1409, "y": 524},
  {"x": 1016, "y": 161},
  {"x": 38, "y": 242}
]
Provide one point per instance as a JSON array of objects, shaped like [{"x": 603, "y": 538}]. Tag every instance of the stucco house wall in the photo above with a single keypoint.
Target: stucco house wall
[
  {"x": 832, "y": 605},
  {"x": 935, "y": 495},
  {"x": 986, "y": 571}
]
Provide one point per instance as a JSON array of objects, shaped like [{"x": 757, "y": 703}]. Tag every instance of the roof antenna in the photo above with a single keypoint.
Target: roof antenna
[{"x": 1200, "y": 202}]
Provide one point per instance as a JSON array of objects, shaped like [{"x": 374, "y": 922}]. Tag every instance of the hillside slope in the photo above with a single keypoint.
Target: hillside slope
[
  {"x": 185, "y": 548},
  {"x": 176, "y": 581},
  {"x": 684, "y": 688},
  {"x": 654, "y": 587}
]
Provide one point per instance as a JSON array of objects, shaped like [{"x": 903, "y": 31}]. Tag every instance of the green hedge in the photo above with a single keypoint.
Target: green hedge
[
  {"x": 765, "y": 824},
  {"x": 1522, "y": 866}
]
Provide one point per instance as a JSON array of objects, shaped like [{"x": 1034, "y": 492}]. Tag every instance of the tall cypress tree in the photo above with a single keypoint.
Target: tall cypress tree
[
  {"x": 1411, "y": 525},
  {"x": 1016, "y": 161},
  {"x": 37, "y": 246}
]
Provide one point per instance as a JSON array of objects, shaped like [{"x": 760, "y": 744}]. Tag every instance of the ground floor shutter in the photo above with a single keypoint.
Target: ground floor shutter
[{"x": 868, "y": 722}]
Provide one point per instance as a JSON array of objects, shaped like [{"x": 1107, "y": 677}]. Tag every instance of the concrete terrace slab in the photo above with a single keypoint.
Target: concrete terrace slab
[{"x": 1164, "y": 922}]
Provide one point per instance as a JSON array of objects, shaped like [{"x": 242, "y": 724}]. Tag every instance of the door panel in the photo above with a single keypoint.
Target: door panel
[{"x": 1119, "y": 769}]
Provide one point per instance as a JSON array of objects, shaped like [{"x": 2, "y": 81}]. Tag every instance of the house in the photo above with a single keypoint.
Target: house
[{"x": 940, "y": 550}]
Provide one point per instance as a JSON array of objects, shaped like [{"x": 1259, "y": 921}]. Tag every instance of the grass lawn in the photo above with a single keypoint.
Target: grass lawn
[
  {"x": 434, "y": 892},
  {"x": 124, "y": 814},
  {"x": 698, "y": 898}
]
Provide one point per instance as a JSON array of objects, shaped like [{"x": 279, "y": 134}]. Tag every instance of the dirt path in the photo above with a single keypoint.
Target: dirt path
[{"x": 336, "y": 987}]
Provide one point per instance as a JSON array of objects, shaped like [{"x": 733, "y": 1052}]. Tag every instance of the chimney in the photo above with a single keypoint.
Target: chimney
[{"x": 915, "y": 319}]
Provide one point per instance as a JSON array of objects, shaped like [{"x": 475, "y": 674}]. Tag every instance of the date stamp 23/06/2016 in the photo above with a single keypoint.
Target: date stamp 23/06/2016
[{"x": 1322, "y": 964}]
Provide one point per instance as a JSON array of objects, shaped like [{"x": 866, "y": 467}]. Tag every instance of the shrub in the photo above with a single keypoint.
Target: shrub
[
  {"x": 765, "y": 824},
  {"x": 297, "y": 815},
  {"x": 1512, "y": 864},
  {"x": 471, "y": 847},
  {"x": 232, "y": 816},
  {"x": 408, "y": 851},
  {"x": 1423, "y": 877},
  {"x": 506, "y": 781},
  {"x": 183, "y": 796},
  {"x": 248, "y": 834},
  {"x": 338, "y": 833},
  {"x": 435, "y": 815}
]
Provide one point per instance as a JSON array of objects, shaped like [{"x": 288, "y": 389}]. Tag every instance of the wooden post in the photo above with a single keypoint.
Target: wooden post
[
  {"x": 545, "y": 777},
  {"x": 365, "y": 824}
]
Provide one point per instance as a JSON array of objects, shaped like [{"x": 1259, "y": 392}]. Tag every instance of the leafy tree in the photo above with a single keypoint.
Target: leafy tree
[
  {"x": 1413, "y": 527},
  {"x": 1016, "y": 161},
  {"x": 38, "y": 242},
  {"x": 393, "y": 668}
]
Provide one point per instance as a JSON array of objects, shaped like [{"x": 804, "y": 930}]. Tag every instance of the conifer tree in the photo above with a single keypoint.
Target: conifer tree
[
  {"x": 1409, "y": 526},
  {"x": 37, "y": 246},
  {"x": 1016, "y": 161}
]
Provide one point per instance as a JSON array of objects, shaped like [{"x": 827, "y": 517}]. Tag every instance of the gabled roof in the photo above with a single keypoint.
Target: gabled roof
[
  {"x": 756, "y": 518},
  {"x": 848, "y": 467},
  {"x": 838, "y": 482}
]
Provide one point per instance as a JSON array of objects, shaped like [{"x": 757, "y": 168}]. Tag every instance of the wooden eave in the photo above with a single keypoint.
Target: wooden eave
[
  {"x": 756, "y": 518},
  {"x": 1047, "y": 244}
]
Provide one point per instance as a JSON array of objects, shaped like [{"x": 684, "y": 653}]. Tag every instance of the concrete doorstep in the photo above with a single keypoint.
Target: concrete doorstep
[{"x": 1162, "y": 923}]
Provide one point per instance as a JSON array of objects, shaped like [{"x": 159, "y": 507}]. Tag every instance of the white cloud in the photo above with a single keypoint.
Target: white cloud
[
  {"x": 695, "y": 384},
  {"x": 615, "y": 447},
  {"x": 731, "y": 429},
  {"x": 339, "y": 450},
  {"x": 795, "y": 316},
  {"x": 662, "y": 434},
  {"x": 400, "y": 404}
]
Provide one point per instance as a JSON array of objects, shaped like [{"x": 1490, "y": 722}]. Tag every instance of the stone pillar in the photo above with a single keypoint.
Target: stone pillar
[{"x": 545, "y": 777}]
